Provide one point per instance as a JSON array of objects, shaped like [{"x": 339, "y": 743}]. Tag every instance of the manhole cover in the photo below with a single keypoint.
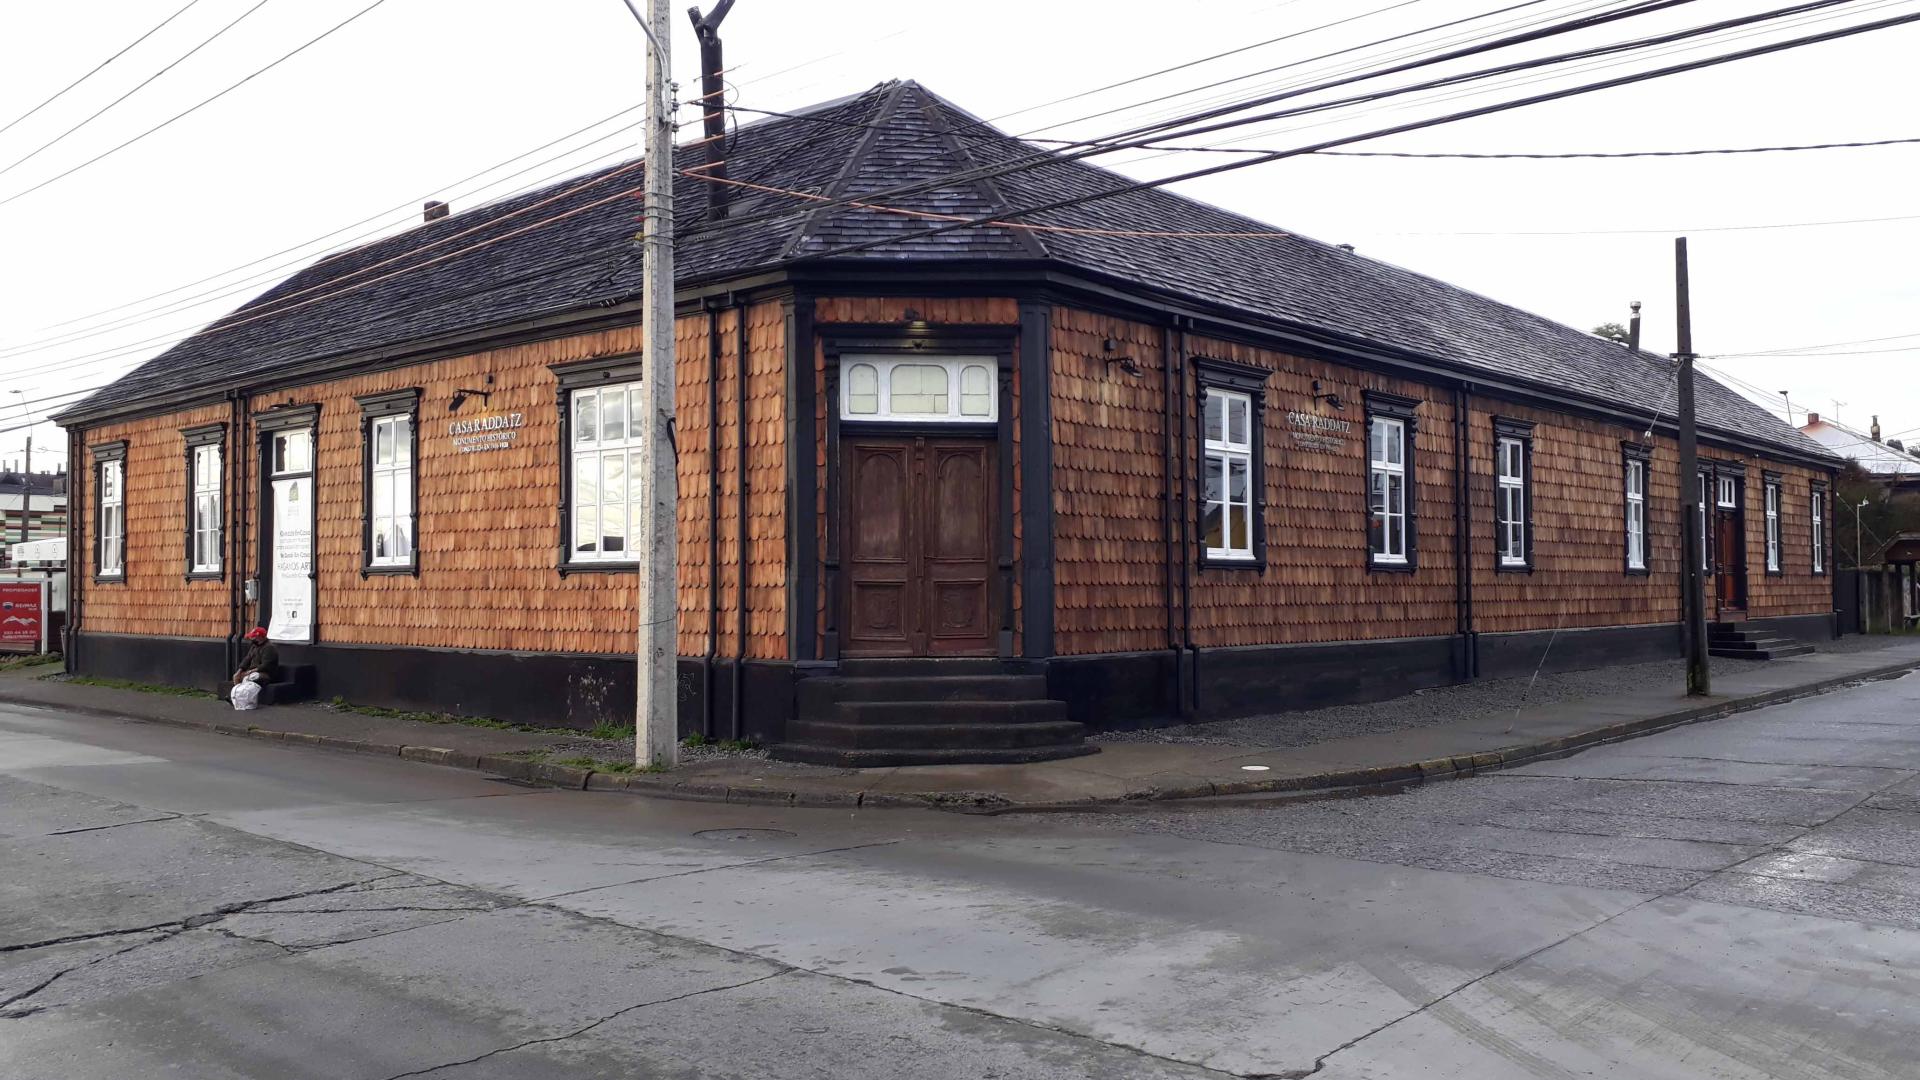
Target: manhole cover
[{"x": 744, "y": 834}]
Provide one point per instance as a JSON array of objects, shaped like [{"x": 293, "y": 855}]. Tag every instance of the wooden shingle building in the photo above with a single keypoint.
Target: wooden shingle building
[{"x": 944, "y": 495}]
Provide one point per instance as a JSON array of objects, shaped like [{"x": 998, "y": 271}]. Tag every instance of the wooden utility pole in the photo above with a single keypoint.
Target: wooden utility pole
[
  {"x": 656, "y": 705},
  {"x": 1693, "y": 608}
]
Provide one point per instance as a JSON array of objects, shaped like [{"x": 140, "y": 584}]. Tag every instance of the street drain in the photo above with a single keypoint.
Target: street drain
[{"x": 743, "y": 834}]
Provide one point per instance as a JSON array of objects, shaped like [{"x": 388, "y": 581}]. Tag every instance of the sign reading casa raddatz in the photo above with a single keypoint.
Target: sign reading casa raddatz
[
  {"x": 479, "y": 433},
  {"x": 22, "y": 610}
]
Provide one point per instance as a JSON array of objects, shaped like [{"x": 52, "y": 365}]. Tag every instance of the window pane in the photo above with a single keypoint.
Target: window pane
[
  {"x": 1376, "y": 438},
  {"x": 586, "y": 414},
  {"x": 1240, "y": 518},
  {"x": 1211, "y": 525},
  {"x": 402, "y": 493},
  {"x": 918, "y": 390},
  {"x": 586, "y": 502},
  {"x": 403, "y": 538},
  {"x": 403, "y": 440},
  {"x": 1215, "y": 416},
  {"x": 613, "y": 527},
  {"x": 613, "y": 502},
  {"x": 1377, "y": 501},
  {"x": 382, "y": 494},
  {"x": 383, "y": 442},
  {"x": 1237, "y": 409},
  {"x": 1396, "y": 493},
  {"x": 613, "y": 416},
  {"x": 382, "y": 532},
  {"x": 1237, "y": 480},
  {"x": 1213, "y": 489},
  {"x": 863, "y": 390},
  {"x": 976, "y": 391}
]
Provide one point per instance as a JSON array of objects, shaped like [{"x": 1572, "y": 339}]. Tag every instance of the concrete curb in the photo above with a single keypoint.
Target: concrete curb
[{"x": 1378, "y": 778}]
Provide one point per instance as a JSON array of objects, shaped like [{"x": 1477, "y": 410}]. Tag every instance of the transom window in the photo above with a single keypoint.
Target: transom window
[
  {"x": 1773, "y": 527},
  {"x": 1729, "y": 492},
  {"x": 1510, "y": 538},
  {"x": 390, "y": 491},
  {"x": 112, "y": 557},
  {"x": 206, "y": 510},
  {"x": 1636, "y": 514},
  {"x": 1387, "y": 470},
  {"x": 1226, "y": 522},
  {"x": 919, "y": 389},
  {"x": 605, "y": 461}
]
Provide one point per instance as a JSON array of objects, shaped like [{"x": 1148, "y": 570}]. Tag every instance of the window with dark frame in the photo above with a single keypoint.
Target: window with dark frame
[
  {"x": 1513, "y": 502},
  {"x": 110, "y": 512},
  {"x": 1637, "y": 460},
  {"x": 1232, "y": 463},
  {"x": 1770, "y": 486},
  {"x": 205, "y": 465},
  {"x": 1818, "y": 505},
  {"x": 389, "y": 501},
  {"x": 599, "y": 464},
  {"x": 1392, "y": 535}
]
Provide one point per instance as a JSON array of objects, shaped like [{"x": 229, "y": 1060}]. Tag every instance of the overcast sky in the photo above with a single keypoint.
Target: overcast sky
[{"x": 418, "y": 94}]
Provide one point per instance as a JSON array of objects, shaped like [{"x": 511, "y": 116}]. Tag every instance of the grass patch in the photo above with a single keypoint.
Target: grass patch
[
  {"x": 594, "y": 764},
  {"x": 15, "y": 663},
  {"x": 610, "y": 732},
  {"x": 734, "y": 746},
  {"x": 340, "y": 704},
  {"x": 145, "y": 688}
]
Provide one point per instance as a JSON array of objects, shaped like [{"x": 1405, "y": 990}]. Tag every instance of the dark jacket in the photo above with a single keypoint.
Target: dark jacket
[{"x": 263, "y": 658}]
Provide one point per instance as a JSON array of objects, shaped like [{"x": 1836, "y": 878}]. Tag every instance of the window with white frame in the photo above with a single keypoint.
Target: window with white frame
[
  {"x": 919, "y": 389},
  {"x": 1226, "y": 522},
  {"x": 206, "y": 509},
  {"x": 604, "y": 463},
  {"x": 1636, "y": 488},
  {"x": 1706, "y": 561},
  {"x": 1510, "y": 502},
  {"x": 1818, "y": 505},
  {"x": 390, "y": 491},
  {"x": 1387, "y": 490},
  {"x": 111, "y": 521},
  {"x": 1772, "y": 489},
  {"x": 1729, "y": 493}
]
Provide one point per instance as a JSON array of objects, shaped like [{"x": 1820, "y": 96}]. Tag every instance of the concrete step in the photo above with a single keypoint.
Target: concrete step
[
  {"x": 925, "y": 666},
  {"x": 924, "y": 737},
  {"x": 911, "y": 713},
  {"x": 1771, "y": 653},
  {"x": 884, "y": 758},
  {"x": 819, "y": 694}
]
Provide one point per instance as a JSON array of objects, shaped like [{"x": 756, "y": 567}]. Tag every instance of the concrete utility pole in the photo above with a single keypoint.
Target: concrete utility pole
[
  {"x": 1693, "y": 601},
  {"x": 656, "y": 707}
]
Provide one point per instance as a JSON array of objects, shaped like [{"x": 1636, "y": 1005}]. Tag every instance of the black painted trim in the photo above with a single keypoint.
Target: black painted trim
[
  {"x": 1210, "y": 373},
  {"x": 1509, "y": 428},
  {"x": 1817, "y": 489},
  {"x": 1771, "y": 482},
  {"x": 214, "y": 435},
  {"x": 568, "y": 377},
  {"x": 265, "y": 426},
  {"x": 287, "y": 417},
  {"x": 374, "y": 407},
  {"x": 1406, "y": 410},
  {"x": 102, "y": 454},
  {"x": 803, "y": 550},
  {"x": 1632, "y": 453},
  {"x": 1036, "y": 478}
]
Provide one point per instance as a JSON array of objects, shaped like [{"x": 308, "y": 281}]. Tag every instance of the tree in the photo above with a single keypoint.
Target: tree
[
  {"x": 1613, "y": 332},
  {"x": 1885, "y": 515}
]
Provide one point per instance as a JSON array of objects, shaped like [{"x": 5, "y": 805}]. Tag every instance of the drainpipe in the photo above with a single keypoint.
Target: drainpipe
[
  {"x": 1462, "y": 532},
  {"x": 1190, "y": 694},
  {"x": 713, "y": 518},
  {"x": 236, "y": 571},
  {"x": 734, "y": 723},
  {"x": 78, "y": 466},
  {"x": 1172, "y": 501}
]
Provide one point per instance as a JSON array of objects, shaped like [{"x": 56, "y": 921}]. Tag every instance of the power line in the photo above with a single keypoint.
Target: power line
[
  {"x": 329, "y": 32},
  {"x": 35, "y": 152},
  {"x": 1593, "y": 154},
  {"x": 97, "y": 68},
  {"x": 1802, "y": 349},
  {"x": 1673, "y": 230}
]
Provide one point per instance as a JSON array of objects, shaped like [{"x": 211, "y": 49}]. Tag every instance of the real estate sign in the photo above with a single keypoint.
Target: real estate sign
[{"x": 23, "y": 616}]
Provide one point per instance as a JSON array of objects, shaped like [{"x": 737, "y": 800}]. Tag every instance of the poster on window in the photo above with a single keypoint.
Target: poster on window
[
  {"x": 23, "y": 616},
  {"x": 291, "y": 582}
]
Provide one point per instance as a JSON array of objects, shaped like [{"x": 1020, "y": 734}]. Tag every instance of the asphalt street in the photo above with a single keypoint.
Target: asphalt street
[{"x": 1733, "y": 899}]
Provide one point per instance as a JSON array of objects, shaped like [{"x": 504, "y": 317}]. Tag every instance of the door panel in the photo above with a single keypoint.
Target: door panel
[
  {"x": 918, "y": 518},
  {"x": 1729, "y": 560}
]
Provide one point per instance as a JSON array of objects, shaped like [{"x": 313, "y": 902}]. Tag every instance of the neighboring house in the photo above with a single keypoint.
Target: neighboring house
[
  {"x": 45, "y": 497},
  {"x": 1887, "y": 462},
  {"x": 1151, "y": 460}
]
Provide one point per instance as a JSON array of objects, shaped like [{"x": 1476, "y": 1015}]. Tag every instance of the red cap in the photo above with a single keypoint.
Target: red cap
[{"x": 258, "y": 633}]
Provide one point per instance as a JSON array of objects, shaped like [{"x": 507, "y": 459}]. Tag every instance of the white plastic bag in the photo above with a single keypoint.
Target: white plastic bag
[{"x": 246, "y": 693}]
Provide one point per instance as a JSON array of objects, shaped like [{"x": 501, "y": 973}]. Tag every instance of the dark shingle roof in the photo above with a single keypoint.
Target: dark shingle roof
[{"x": 413, "y": 286}]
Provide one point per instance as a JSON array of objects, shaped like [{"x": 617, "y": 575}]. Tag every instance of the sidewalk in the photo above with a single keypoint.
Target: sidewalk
[{"x": 1122, "y": 772}]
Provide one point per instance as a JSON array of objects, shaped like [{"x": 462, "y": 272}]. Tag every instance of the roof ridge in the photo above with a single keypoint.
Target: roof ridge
[
  {"x": 875, "y": 121},
  {"x": 931, "y": 106}
]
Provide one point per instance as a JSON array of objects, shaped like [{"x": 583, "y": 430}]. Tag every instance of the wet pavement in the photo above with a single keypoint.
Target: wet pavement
[{"x": 1739, "y": 898}]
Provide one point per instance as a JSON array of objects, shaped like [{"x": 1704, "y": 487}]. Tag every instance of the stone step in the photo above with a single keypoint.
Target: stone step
[
  {"x": 924, "y": 666},
  {"x": 911, "y": 713},
  {"x": 887, "y": 758},
  {"x": 923, "y": 737},
  {"x": 819, "y": 694},
  {"x": 1771, "y": 653}
]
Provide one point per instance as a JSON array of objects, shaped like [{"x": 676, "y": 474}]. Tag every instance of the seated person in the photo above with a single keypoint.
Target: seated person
[{"x": 260, "y": 657}]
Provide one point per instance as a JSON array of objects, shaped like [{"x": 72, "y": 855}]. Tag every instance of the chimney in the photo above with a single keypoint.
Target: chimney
[
  {"x": 1875, "y": 431},
  {"x": 1812, "y": 418},
  {"x": 1633, "y": 327},
  {"x": 706, "y": 28},
  {"x": 435, "y": 210},
  {"x": 1348, "y": 248}
]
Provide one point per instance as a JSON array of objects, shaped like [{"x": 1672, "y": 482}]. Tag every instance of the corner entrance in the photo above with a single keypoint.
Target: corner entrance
[{"x": 919, "y": 516}]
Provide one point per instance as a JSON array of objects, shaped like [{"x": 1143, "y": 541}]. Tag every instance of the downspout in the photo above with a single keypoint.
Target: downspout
[
  {"x": 78, "y": 466},
  {"x": 1190, "y": 693},
  {"x": 1463, "y": 536},
  {"x": 713, "y": 518},
  {"x": 1168, "y": 528},
  {"x": 235, "y": 449},
  {"x": 734, "y": 722}
]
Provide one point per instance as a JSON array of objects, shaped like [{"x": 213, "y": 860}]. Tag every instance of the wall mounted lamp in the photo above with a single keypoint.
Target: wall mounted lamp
[
  {"x": 460, "y": 398},
  {"x": 1330, "y": 398},
  {"x": 1126, "y": 363}
]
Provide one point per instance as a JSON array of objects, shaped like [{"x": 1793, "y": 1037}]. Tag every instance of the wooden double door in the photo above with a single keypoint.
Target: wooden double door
[{"x": 918, "y": 517}]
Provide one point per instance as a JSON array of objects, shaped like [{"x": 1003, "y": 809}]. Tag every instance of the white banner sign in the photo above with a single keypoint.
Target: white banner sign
[{"x": 292, "y": 582}]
